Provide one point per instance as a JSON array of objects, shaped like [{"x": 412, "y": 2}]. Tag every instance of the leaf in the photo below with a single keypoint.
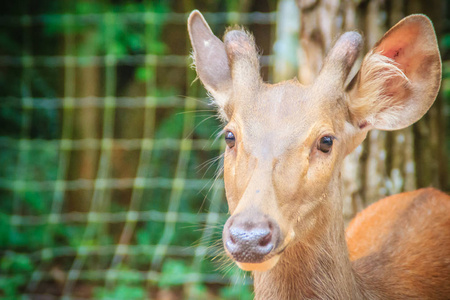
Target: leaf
[
  {"x": 173, "y": 273},
  {"x": 236, "y": 292},
  {"x": 144, "y": 74}
]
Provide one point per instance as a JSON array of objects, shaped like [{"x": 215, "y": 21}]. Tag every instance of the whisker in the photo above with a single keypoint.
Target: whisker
[
  {"x": 217, "y": 174},
  {"x": 208, "y": 162},
  {"x": 192, "y": 131},
  {"x": 194, "y": 111}
]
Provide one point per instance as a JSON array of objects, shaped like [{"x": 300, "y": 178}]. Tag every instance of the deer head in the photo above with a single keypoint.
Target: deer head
[{"x": 286, "y": 142}]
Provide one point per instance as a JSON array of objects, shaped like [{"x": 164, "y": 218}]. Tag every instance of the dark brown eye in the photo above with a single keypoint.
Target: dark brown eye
[
  {"x": 230, "y": 139},
  {"x": 325, "y": 144}
]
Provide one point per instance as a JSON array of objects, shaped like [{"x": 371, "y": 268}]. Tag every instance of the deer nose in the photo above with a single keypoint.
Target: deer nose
[{"x": 249, "y": 239}]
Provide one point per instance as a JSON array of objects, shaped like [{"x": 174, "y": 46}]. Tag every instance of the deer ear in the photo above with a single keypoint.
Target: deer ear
[
  {"x": 399, "y": 78},
  {"x": 210, "y": 59}
]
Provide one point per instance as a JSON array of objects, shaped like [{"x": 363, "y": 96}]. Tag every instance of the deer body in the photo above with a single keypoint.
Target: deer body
[
  {"x": 411, "y": 261},
  {"x": 286, "y": 143}
]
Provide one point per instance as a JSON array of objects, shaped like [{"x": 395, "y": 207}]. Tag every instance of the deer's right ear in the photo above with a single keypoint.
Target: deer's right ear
[{"x": 211, "y": 61}]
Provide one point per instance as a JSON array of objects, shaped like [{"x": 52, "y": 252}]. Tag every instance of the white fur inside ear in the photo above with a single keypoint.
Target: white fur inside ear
[{"x": 382, "y": 85}]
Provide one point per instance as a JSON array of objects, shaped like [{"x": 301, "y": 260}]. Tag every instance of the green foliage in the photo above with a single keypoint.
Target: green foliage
[
  {"x": 237, "y": 292},
  {"x": 121, "y": 291},
  {"x": 129, "y": 287},
  {"x": 118, "y": 29},
  {"x": 199, "y": 291},
  {"x": 114, "y": 35},
  {"x": 144, "y": 74},
  {"x": 446, "y": 79},
  {"x": 18, "y": 268},
  {"x": 173, "y": 273}
]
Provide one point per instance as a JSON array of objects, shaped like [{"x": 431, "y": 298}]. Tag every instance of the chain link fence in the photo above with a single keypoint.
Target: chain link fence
[{"x": 109, "y": 156}]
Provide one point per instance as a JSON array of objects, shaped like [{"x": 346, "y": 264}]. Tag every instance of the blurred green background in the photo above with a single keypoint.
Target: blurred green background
[{"x": 109, "y": 154}]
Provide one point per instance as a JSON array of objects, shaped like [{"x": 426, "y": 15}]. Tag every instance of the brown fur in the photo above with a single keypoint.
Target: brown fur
[
  {"x": 400, "y": 247},
  {"x": 409, "y": 256}
]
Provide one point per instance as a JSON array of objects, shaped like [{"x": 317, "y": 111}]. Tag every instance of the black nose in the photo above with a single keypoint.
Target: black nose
[{"x": 249, "y": 238}]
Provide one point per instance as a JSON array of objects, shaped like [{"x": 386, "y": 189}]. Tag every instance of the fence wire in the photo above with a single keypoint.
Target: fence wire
[{"x": 102, "y": 193}]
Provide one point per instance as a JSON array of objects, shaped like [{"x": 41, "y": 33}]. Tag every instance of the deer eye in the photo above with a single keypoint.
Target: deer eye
[
  {"x": 230, "y": 139},
  {"x": 325, "y": 143}
]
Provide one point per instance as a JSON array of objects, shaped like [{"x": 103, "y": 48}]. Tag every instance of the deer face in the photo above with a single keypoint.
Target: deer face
[
  {"x": 278, "y": 166},
  {"x": 285, "y": 142}
]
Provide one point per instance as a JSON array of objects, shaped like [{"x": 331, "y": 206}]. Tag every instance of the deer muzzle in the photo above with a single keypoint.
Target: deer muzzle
[{"x": 252, "y": 239}]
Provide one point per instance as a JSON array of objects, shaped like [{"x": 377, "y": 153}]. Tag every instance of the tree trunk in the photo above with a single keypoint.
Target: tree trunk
[{"x": 387, "y": 162}]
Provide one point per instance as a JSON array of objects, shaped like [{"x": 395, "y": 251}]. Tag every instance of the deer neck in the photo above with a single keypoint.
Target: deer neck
[{"x": 317, "y": 267}]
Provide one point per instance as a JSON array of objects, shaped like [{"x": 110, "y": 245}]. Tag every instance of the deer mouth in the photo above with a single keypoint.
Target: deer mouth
[{"x": 261, "y": 267}]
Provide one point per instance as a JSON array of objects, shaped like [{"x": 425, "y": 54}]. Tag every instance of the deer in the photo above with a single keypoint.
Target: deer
[{"x": 285, "y": 146}]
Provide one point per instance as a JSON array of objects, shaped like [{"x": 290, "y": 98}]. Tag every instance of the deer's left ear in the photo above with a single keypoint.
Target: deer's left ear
[{"x": 399, "y": 78}]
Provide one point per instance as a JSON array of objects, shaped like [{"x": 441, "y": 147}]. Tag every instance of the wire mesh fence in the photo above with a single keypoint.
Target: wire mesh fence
[{"x": 103, "y": 131}]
